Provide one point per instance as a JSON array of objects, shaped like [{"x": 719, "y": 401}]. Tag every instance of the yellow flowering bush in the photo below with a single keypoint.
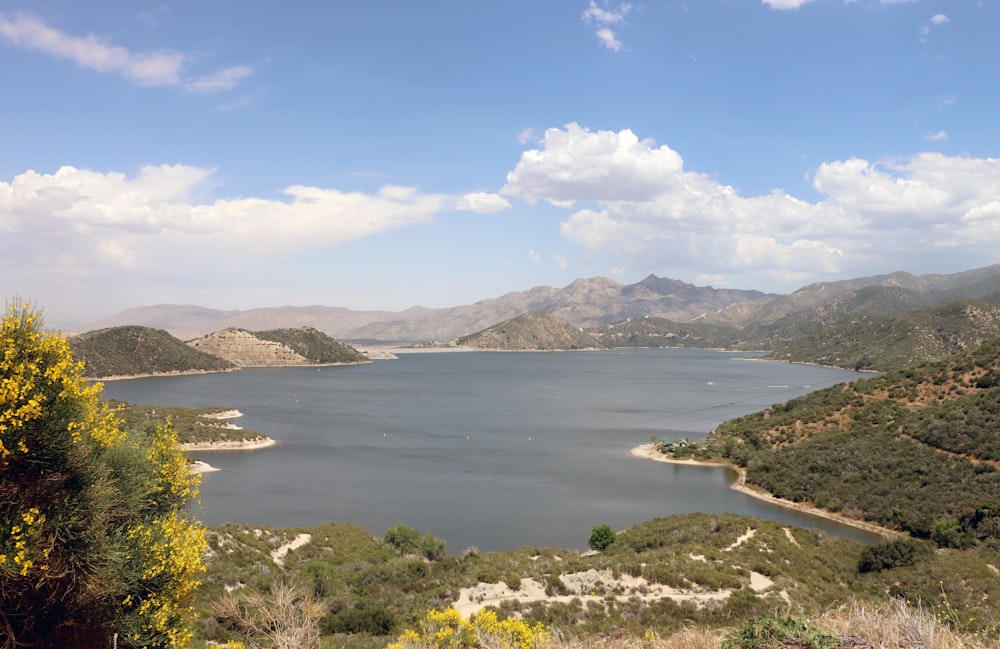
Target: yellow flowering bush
[
  {"x": 447, "y": 629},
  {"x": 95, "y": 540}
]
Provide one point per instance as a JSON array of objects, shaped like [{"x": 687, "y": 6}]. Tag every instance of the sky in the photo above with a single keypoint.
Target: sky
[{"x": 383, "y": 154}]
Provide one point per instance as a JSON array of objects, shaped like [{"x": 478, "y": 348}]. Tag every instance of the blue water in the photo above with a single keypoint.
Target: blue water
[{"x": 496, "y": 450}]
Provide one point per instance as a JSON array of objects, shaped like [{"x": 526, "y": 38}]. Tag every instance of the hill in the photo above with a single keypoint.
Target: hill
[
  {"x": 916, "y": 449},
  {"x": 134, "y": 350},
  {"x": 531, "y": 332},
  {"x": 650, "y": 331},
  {"x": 313, "y": 345},
  {"x": 277, "y": 348},
  {"x": 584, "y": 302},
  {"x": 885, "y": 342}
]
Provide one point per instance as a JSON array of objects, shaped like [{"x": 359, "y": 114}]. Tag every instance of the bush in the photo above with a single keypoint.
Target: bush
[
  {"x": 601, "y": 537},
  {"x": 769, "y": 631},
  {"x": 95, "y": 537},
  {"x": 403, "y": 538},
  {"x": 893, "y": 554}
]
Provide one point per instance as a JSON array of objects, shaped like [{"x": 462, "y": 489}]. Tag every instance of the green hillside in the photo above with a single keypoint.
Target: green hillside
[
  {"x": 531, "y": 332},
  {"x": 134, "y": 350},
  {"x": 914, "y": 449},
  {"x": 313, "y": 345},
  {"x": 650, "y": 331},
  {"x": 886, "y": 342}
]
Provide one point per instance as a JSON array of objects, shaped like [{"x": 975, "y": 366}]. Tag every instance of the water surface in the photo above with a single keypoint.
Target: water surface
[{"x": 496, "y": 450}]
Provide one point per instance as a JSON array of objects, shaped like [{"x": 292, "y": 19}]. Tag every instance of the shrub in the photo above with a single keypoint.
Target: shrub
[
  {"x": 892, "y": 554},
  {"x": 601, "y": 537},
  {"x": 95, "y": 539},
  {"x": 768, "y": 631}
]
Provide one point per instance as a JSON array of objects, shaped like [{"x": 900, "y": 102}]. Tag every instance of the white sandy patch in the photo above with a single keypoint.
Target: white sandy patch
[
  {"x": 592, "y": 586},
  {"x": 230, "y": 445},
  {"x": 759, "y": 583},
  {"x": 791, "y": 537},
  {"x": 198, "y": 466},
  {"x": 742, "y": 539},
  {"x": 278, "y": 555},
  {"x": 224, "y": 414}
]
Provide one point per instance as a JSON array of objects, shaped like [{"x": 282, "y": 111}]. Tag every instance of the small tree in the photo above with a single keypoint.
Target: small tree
[
  {"x": 95, "y": 540},
  {"x": 601, "y": 537}
]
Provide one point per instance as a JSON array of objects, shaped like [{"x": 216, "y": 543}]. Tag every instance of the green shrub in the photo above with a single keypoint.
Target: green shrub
[
  {"x": 601, "y": 537},
  {"x": 770, "y": 631}
]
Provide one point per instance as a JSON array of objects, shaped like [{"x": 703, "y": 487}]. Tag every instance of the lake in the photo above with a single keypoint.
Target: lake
[{"x": 496, "y": 450}]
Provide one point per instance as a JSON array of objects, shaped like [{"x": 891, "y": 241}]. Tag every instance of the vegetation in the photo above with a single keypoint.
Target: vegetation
[
  {"x": 913, "y": 450},
  {"x": 601, "y": 537},
  {"x": 888, "y": 342},
  {"x": 95, "y": 542},
  {"x": 369, "y": 592},
  {"x": 531, "y": 332},
  {"x": 192, "y": 424},
  {"x": 132, "y": 350},
  {"x": 313, "y": 345},
  {"x": 651, "y": 331}
]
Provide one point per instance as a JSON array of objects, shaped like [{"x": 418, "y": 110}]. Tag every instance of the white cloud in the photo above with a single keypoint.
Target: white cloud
[
  {"x": 940, "y": 136},
  {"x": 156, "y": 68},
  {"x": 785, "y": 4},
  {"x": 151, "y": 222},
  {"x": 533, "y": 256},
  {"x": 225, "y": 79},
  {"x": 482, "y": 203},
  {"x": 608, "y": 39},
  {"x": 602, "y": 17},
  {"x": 644, "y": 207},
  {"x": 934, "y": 21}
]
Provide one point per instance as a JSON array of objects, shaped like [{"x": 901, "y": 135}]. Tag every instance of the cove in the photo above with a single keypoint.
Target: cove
[{"x": 496, "y": 450}]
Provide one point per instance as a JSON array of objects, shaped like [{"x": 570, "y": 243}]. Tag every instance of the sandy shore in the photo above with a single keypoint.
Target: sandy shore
[
  {"x": 198, "y": 466},
  {"x": 230, "y": 445},
  {"x": 649, "y": 452}
]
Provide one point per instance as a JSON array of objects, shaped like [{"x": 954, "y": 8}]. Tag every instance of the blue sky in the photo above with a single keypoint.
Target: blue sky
[{"x": 386, "y": 154}]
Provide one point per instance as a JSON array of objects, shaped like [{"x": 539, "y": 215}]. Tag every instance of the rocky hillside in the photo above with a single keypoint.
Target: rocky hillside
[
  {"x": 276, "y": 348},
  {"x": 531, "y": 332},
  {"x": 885, "y": 342},
  {"x": 133, "y": 350}
]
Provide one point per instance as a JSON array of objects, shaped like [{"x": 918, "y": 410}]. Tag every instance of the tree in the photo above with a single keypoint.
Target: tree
[
  {"x": 96, "y": 545},
  {"x": 601, "y": 537}
]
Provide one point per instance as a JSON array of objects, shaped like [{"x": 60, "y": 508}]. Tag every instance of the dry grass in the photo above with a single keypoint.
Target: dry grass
[{"x": 891, "y": 625}]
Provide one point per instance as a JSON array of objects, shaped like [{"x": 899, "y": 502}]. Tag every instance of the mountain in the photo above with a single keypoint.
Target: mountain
[
  {"x": 885, "y": 342},
  {"x": 585, "y": 302},
  {"x": 276, "y": 348},
  {"x": 530, "y": 332},
  {"x": 133, "y": 350}
]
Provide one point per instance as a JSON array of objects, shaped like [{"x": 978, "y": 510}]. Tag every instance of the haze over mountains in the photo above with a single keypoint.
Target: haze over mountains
[{"x": 765, "y": 320}]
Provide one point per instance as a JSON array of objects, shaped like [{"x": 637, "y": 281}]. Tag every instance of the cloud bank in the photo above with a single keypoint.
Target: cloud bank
[{"x": 636, "y": 200}]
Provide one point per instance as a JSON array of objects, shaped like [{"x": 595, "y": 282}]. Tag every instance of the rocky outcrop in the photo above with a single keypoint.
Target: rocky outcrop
[{"x": 244, "y": 349}]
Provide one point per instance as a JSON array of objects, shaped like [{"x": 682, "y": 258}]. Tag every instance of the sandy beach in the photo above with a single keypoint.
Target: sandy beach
[{"x": 649, "y": 452}]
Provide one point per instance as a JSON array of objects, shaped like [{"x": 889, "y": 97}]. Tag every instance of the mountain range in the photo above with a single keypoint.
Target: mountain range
[{"x": 753, "y": 319}]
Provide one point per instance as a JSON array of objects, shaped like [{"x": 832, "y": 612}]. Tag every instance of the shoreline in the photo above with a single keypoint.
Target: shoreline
[
  {"x": 649, "y": 452},
  {"x": 230, "y": 444}
]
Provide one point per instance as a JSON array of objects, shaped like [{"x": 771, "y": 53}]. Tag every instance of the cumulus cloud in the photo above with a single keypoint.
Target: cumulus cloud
[
  {"x": 482, "y": 203},
  {"x": 602, "y": 18},
  {"x": 934, "y": 21},
  {"x": 155, "y": 68},
  {"x": 939, "y": 136},
  {"x": 640, "y": 203},
  {"x": 88, "y": 219}
]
